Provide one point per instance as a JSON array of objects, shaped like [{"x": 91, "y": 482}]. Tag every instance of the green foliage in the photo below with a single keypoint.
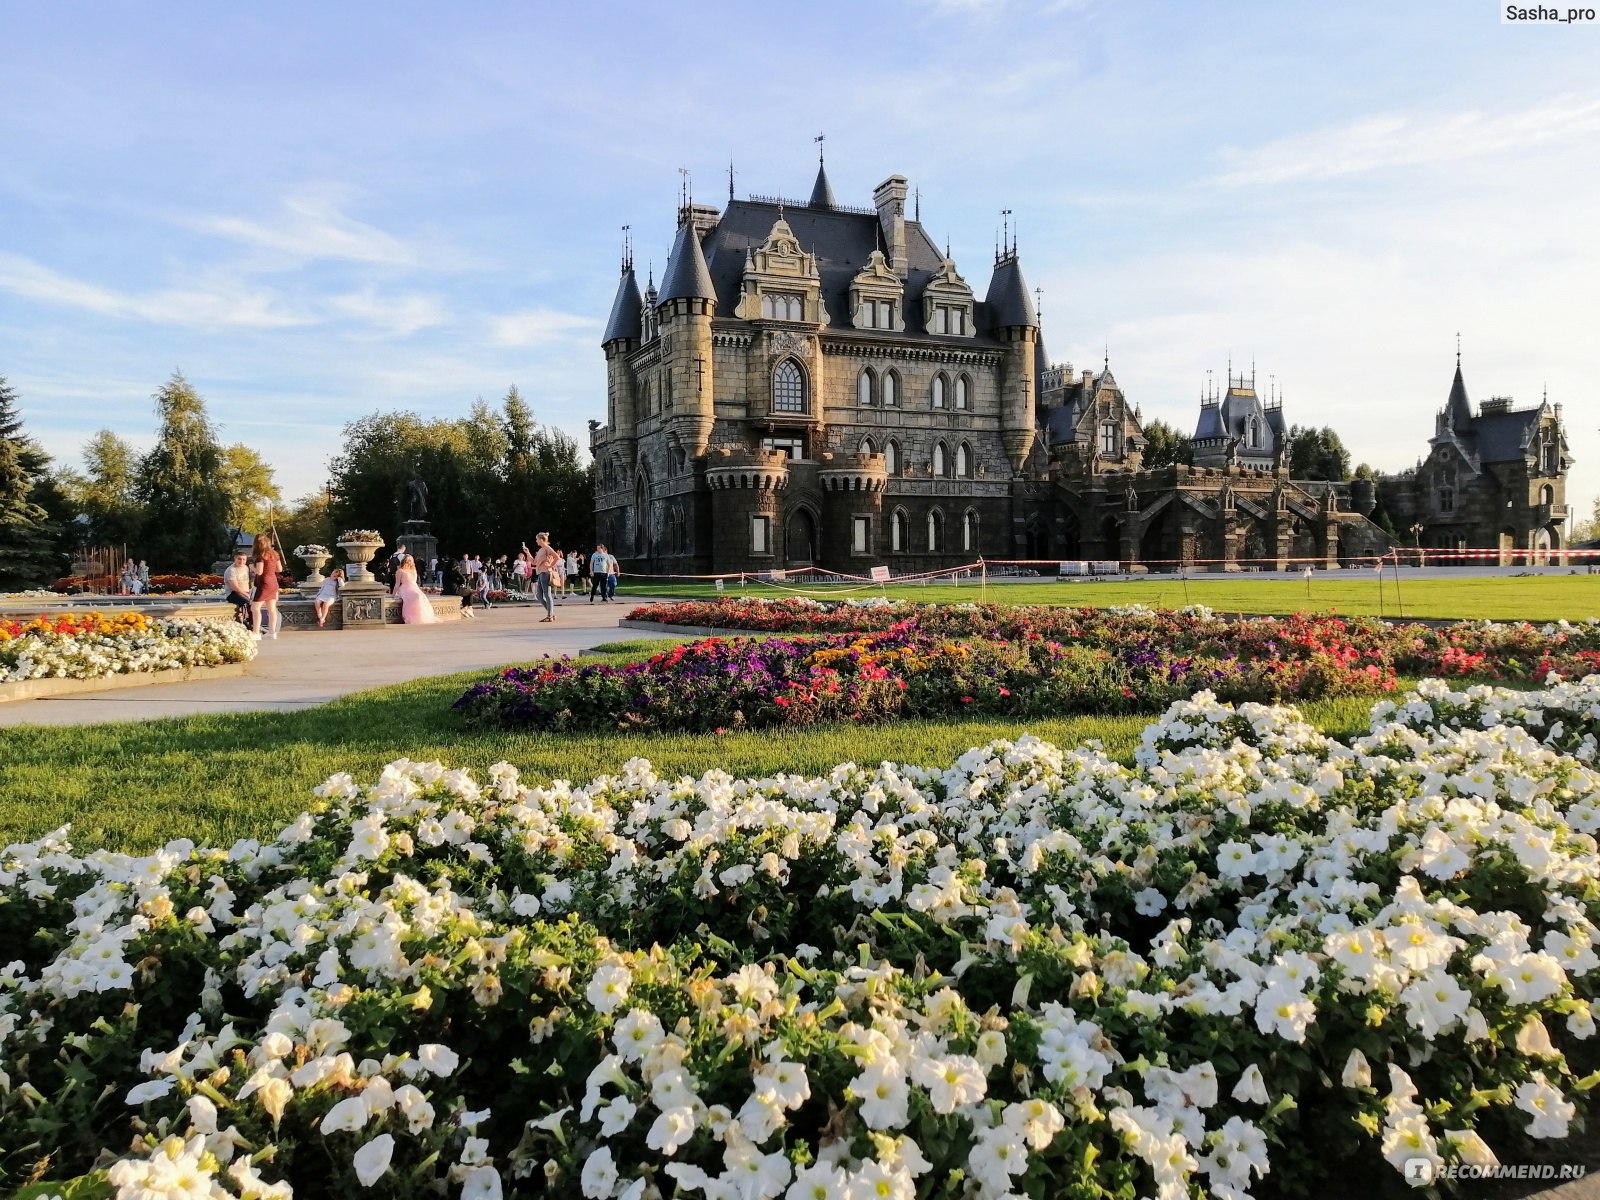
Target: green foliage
[
  {"x": 1167, "y": 445},
  {"x": 105, "y": 494},
  {"x": 1588, "y": 530},
  {"x": 180, "y": 485},
  {"x": 307, "y": 521},
  {"x": 495, "y": 478},
  {"x": 1317, "y": 454},
  {"x": 30, "y": 536},
  {"x": 248, "y": 487}
]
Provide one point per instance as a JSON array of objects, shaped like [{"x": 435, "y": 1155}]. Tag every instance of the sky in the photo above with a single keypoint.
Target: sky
[{"x": 317, "y": 211}]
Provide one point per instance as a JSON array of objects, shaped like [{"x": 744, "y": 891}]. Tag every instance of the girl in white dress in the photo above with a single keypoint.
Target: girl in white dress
[{"x": 328, "y": 595}]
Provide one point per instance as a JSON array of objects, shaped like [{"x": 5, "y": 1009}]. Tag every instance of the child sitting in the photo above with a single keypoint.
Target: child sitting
[{"x": 327, "y": 594}]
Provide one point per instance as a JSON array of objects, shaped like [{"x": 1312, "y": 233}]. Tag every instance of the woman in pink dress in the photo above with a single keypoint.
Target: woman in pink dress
[{"x": 415, "y": 607}]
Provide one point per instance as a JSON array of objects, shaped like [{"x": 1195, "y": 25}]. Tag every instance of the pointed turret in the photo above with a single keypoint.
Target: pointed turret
[
  {"x": 1458, "y": 407},
  {"x": 822, "y": 191},
  {"x": 624, "y": 322},
  {"x": 1010, "y": 303},
  {"x": 687, "y": 277}
]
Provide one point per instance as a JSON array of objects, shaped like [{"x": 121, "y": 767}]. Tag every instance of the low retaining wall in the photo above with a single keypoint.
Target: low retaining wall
[{"x": 44, "y": 689}]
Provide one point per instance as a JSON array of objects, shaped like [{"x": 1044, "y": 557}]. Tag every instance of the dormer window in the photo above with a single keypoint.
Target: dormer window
[
  {"x": 947, "y": 303},
  {"x": 783, "y": 306},
  {"x": 878, "y": 314},
  {"x": 876, "y": 296},
  {"x": 950, "y": 320},
  {"x": 1108, "y": 438}
]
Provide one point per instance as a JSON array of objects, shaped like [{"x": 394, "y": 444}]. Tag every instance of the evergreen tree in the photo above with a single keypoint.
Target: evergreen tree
[
  {"x": 30, "y": 538},
  {"x": 180, "y": 485},
  {"x": 1317, "y": 454},
  {"x": 1166, "y": 447}
]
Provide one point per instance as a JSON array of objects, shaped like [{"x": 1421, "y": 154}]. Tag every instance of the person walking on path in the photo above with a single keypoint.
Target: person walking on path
[
  {"x": 597, "y": 573},
  {"x": 265, "y": 568},
  {"x": 544, "y": 562}
]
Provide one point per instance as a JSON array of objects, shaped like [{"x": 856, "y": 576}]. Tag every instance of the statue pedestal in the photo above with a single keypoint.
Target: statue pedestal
[
  {"x": 418, "y": 539},
  {"x": 361, "y": 605}
]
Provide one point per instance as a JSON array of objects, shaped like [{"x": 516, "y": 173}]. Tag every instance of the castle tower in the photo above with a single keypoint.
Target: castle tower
[
  {"x": 620, "y": 340},
  {"x": 1014, "y": 323},
  {"x": 686, "y": 305}
]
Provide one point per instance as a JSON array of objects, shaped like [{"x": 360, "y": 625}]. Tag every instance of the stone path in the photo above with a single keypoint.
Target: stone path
[{"x": 304, "y": 669}]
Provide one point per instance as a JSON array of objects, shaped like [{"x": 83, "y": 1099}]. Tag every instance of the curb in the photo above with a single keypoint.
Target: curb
[{"x": 44, "y": 689}]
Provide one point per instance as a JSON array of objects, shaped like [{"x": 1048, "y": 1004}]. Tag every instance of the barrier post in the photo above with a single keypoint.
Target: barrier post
[
  {"x": 1399, "y": 603},
  {"x": 983, "y": 581}
]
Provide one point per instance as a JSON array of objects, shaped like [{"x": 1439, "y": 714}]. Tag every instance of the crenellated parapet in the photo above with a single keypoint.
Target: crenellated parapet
[
  {"x": 756, "y": 470},
  {"x": 853, "y": 473}
]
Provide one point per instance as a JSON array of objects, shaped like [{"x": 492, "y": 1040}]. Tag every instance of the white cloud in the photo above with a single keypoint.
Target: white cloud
[
  {"x": 396, "y": 316},
  {"x": 219, "y": 305},
  {"x": 1398, "y": 141},
  {"x": 538, "y": 327},
  {"x": 311, "y": 226}
]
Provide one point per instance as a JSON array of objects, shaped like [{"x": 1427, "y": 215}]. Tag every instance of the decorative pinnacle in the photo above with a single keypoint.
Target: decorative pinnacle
[{"x": 819, "y": 139}]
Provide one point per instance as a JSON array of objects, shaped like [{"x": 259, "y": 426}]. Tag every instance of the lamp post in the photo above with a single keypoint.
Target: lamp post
[{"x": 1416, "y": 541}]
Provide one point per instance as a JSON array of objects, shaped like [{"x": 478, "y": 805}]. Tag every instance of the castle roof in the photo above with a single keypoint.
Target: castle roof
[
  {"x": 624, "y": 322},
  {"x": 687, "y": 276},
  {"x": 1495, "y": 434},
  {"x": 843, "y": 241},
  {"x": 1008, "y": 298},
  {"x": 1458, "y": 406},
  {"x": 822, "y": 191}
]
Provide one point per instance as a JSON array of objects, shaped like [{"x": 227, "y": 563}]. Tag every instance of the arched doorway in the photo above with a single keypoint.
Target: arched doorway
[
  {"x": 641, "y": 515},
  {"x": 800, "y": 541},
  {"x": 1543, "y": 543}
]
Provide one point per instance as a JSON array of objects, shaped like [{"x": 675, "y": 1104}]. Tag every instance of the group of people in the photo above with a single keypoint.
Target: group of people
[
  {"x": 251, "y": 582},
  {"x": 134, "y": 578}
]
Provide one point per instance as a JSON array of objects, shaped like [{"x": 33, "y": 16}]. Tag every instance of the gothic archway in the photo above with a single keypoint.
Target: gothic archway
[{"x": 800, "y": 538}]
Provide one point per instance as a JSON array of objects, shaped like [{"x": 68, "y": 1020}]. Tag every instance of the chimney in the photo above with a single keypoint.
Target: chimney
[
  {"x": 703, "y": 217},
  {"x": 890, "y": 200}
]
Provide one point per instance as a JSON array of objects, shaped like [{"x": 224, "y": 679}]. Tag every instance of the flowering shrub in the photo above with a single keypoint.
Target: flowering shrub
[
  {"x": 159, "y": 584},
  {"x": 1051, "y": 972},
  {"x": 1482, "y": 649},
  {"x": 902, "y": 671},
  {"x": 311, "y": 551},
  {"x": 365, "y": 537},
  {"x": 92, "y": 646}
]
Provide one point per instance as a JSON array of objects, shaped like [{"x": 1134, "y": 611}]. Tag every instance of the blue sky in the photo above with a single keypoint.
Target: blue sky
[{"x": 320, "y": 210}]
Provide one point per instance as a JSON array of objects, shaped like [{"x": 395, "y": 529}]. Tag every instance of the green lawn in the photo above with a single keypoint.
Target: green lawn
[
  {"x": 1355, "y": 593},
  {"x": 215, "y": 778}
]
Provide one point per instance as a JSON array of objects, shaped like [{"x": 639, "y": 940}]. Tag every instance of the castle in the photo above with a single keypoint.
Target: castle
[{"x": 817, "y": 385}]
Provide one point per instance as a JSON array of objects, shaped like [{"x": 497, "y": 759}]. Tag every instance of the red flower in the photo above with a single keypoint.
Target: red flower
[{"x": 966, "y": 699}]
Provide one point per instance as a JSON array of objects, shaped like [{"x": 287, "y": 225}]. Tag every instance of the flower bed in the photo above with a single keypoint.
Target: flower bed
[
  {"x": 1481, "y": 649},
  {"x": 93, "y": 646},
  {"x": 903, "y": 671},
  {"x": 160, "y": 585},
  {"x": 1052, "y": 972}
]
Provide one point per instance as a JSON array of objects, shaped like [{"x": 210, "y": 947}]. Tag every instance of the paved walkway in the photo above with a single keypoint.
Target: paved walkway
[{"x": 304, "y": 669}]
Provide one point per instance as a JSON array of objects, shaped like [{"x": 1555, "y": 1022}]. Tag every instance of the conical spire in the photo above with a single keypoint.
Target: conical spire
[
  {"x": 1459, "y": 407},
  {"x": 686, "y": 277},
  {"x": 1009, "y": 301},
  {"x": 822, "y": 191},
  {"x": 624, "y": 322}
]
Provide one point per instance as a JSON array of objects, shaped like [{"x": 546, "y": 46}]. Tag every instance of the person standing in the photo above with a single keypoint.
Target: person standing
[
  {"x": 613, "y": 572},
  {"x": 236, "y": 582},
  {"x": 415, "y": 608},
  {"x": 143, "y": 575},
  {"x": 265, "y": 568},
  {"x": 597, "y": 573},
  {"x": 544, "y": 563}
]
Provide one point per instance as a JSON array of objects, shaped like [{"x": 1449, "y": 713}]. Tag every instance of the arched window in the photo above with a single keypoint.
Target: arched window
[
  {"x": 939, "y": 457},
  {"x": 938, "y": 391},
  {"x": 969, "y": 530},
  {"x": 891, "y": 457},
  {"x": 961, "y": 392},
  {"x": 897, "y": 530},
  {"x": 1255, "y": 433},
  {"x": 1108, "y": 438},
  {"x": 788, "y": 388},
  {"x": 963, "y": 461},
  {"x": 865, "y": 447},
  {"x": 891, "y": 389},
  {"x": 1547, "y": 494},
  {"x": 864, "y": 387},
  {"x": 935, "y": 530}
]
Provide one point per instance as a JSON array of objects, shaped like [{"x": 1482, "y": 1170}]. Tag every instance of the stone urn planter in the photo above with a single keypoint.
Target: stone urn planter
[
  {"x": 315, "y": 561},
  {"x": 360, "y": 554}
]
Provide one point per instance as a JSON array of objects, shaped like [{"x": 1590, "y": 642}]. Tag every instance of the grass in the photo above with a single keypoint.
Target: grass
[
  {"x": 214, "y": 778},
  {"x": 1354, "y": 593}
]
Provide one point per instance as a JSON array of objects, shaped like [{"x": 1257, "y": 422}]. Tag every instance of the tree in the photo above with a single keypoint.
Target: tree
[
  {"x": 307, "y": 522},
  {"x": 179, "y": 485},
  {"x": 1166, "y": 446},
  {"x": 30, "y": 537},
  {"x": 104, "y": 494},
  {"x": 248, "y": 487},
  {"x": 1588, "y": 530},
  {"x": 1317, "y": 454}
]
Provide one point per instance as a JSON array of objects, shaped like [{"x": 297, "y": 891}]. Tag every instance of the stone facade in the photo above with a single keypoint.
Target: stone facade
[{"x": 819, "y": 386}]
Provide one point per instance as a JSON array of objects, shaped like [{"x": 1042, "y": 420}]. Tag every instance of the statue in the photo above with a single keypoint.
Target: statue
[{"x": 418, "y": 492}]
